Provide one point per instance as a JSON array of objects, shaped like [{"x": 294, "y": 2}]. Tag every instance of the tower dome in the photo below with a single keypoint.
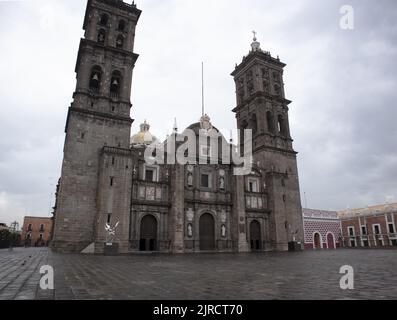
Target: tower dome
[{"x": 143, "y": 137}]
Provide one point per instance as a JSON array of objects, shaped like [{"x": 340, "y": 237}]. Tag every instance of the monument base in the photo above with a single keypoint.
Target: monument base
[
  {"x": 294, "y": 246},
  {"x": 111, "y": 249}
]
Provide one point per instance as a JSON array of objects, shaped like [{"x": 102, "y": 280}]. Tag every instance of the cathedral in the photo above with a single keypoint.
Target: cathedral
[{"x": 110, "y": 198}]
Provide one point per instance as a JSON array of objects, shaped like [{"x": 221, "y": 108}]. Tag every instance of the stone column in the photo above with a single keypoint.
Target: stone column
[
  {"x": 239, "y": 216},
  {"x": 177, "y": 211}
]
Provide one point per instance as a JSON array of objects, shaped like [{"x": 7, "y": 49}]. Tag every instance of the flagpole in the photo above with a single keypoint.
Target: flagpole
[{"x": 202, "y": 88}]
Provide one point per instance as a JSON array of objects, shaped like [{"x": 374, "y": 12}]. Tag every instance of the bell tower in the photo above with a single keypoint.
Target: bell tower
[
  {"x": 261, "y": 103},
  {"x": 263, "y": 108},
  {"x": 99, "y": 116}
]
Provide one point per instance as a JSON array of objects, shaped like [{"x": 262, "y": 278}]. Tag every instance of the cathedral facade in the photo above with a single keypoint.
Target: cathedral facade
[{"x": 109, "y": 194}]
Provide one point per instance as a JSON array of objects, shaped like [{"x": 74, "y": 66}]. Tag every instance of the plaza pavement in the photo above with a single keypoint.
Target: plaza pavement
[{"x": 303, "y": 275}]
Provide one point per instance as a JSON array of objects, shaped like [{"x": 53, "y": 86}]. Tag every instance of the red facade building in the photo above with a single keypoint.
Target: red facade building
[{"x": 369, "y": 227}]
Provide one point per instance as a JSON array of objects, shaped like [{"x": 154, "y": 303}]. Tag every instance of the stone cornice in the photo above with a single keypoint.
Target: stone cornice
[
  {"x": 89, "y": 44},
  {"x": 116, "y": 150},
  {"x": 275, "y": 149},
  {"x": 263, "y": 95},
  {"x": 103, "y": 97},
  {"x": 95, "y": 114},
  {"x": 262, "y": 55}
]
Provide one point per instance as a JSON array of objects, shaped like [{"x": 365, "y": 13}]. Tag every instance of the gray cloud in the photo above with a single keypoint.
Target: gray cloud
[{"x": 342, "y": 84}]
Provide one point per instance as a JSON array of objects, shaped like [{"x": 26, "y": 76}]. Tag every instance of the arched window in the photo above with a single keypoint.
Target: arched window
[
  {"x": 95, "y": 79},
  {"x": 254, "y": 124},
  {"x": 277, "y": 90},
  {"x": 121, "y": 26},
  {"x": 270, "y": 123},
  {"x": 101, "y": 36},
  {"x": 266, "y": 86},
  {"x": 115, "y": 84},
  {"x": 104, "y": 20},
  {"x": 120, "y": 41},
  {"x": 281, "y": 125}
]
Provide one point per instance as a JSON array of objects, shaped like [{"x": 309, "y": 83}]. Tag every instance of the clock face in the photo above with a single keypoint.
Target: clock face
[{"x": 222, "y": 173}]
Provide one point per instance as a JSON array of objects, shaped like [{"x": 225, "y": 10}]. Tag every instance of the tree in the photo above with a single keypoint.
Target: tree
[{"x": 8, "y": 238}]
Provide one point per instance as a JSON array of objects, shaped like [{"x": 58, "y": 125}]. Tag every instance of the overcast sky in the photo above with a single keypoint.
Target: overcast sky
[{"x": 342, "y": 83}]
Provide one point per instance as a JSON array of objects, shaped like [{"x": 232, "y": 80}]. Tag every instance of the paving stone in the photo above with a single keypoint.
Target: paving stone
[{"x": 308, "y": 275}]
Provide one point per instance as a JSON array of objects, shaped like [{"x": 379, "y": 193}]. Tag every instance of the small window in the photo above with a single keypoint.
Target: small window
[
  {"x": 30, "y": 227},
  {"x": 205, "y": 151},
  {"x": 364, "y": 230},
  {"x": 281, "y": 125},
  {"x": 351, "y": 231},
  {"x": 276, "y": 76},
  {"x": 113, "y": 161},
  {"x": 391, "y": 228},
  {"x": 120, "y": 42},
  {"x": 108, "y": 219},
  {"x": 101, "y": 36},
  {"x": 41, "y": 236},
  {"x": 277, "y": 90},
  {"x": 115, "y": 84},
  {"x": 149, "y": 175},
  {"x": 205, "y": 180},
  {"x": 121, "y": 26},
  {"x": 376, "y": 229},
  {"x": 111, "y": 181},
  {"x": 253, "y": 185},
  {"x": 95, "y": 79},
  {"x": 269, "y": 120}
]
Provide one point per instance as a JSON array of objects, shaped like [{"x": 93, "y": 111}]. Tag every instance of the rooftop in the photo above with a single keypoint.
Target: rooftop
[{"x": 370, "y": 210}]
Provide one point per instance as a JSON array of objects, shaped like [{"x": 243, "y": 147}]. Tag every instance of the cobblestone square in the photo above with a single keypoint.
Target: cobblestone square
[{"x": 305, "y": 275}]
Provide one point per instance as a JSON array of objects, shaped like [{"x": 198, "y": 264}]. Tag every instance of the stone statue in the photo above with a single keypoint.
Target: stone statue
[
  {"x": 223, "y": 230},
  {"x": 190, "y": 179},
  {"x": 189, "y": 230},
  {"x": 222, "y": 183}
]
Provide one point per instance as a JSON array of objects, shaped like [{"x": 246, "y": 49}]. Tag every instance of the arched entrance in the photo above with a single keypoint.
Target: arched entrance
[
  {"x": 317, "y": 241},
  {"x": 207, "y": 232},
  {"x": 255, "y": 236},
  {"x": 148, "y": 240},
  {"x": 330, "y": 241}
]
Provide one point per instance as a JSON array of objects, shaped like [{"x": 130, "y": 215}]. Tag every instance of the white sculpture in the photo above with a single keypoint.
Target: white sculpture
[
  {"x": 189, "y": 230},
  {"x": 223, "y": 230},
  {"x": 190, "y": 179},
  {"x": 111, "y": 231},
  {"x": 222, "y": 183}
]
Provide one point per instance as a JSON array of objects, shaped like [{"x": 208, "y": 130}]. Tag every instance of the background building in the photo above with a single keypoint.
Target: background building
[
  {"x": 322, "y": 229},
  {"x": 369, "y": 227},
  {"x": 36, "y": 231}
]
